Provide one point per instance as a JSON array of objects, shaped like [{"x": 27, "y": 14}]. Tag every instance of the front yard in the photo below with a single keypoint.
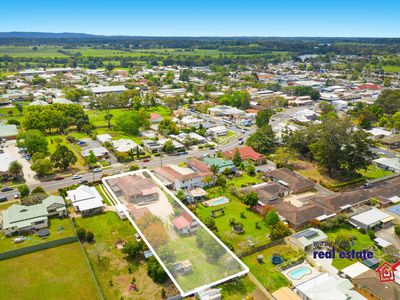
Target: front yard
[{"x": 56, "y": 273}]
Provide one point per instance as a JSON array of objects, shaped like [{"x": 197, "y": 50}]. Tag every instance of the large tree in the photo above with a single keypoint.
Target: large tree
[
  {"x": 262, "y": 117},
  {"x": 15, "y": 169},
  {"x": 42, "y": 166},
  {"x": 63, "y": 158},
  {"x": 263, "y": 140},
  {"x": 389, "y": 100},
  {"x": 34, "y": 141},
  {"x": 167, "y": 127},
  {"x": 336, "y": 144},
  {"x": 106, "y": 103}
]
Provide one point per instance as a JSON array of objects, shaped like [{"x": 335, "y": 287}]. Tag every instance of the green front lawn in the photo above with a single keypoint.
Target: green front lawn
[
  {"x": 373, "y": 172},
  {"x": 59, "y": 228},
  {"x": 266, "y": 272},
  {"x": 56, "y": 273}
]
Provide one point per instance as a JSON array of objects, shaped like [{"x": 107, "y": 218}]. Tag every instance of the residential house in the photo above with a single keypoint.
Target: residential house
[
  {"x": 21, "y": 218},
  {"x": 246, "y": 153},
  {"x": 196, "y": 195},
  {"x": 226, "y": 111},
  {"x": 293, "y": 181},
  {"x": 178, "y": 177},
  {"x": 268, "y": 192},
  {"x": 325, "y": 286},
  {"x": 102, "y": 138},
  {"x": 152, "y": 146},
  {"x": 222, "y": 164},
  {"x": 392, "y": 141},
  {"x": 155, "y": 118},
  {"x": 8, "y": 132},
  {"x": 114, "y": 89},
  {"x": 86, "y": 200},
  {"x": 99, "y": 152},
  {"x": 388, "y": 163},
  {"x": 217, "y": 131},
  {"x": 372, "y": 219},
  {"x": 307, "y": 239},
  {"x": 126, "y": 145},
  {"x": 200, "y": 167},
  {"x": 185, "y": 224},
  {"x": 134, "y": 189},
  {"x": 190, "y": 121},
  {"x": 5, "y": 161},
  {"x": 369, "y": 285}
]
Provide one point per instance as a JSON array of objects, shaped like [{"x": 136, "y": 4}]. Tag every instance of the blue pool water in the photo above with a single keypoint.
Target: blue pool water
[
  {"x": 217, "y": 201},
  {"x": 299, "y": 272}
]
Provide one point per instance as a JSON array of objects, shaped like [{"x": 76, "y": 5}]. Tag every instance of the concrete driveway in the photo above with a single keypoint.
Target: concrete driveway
[
  {"x": 12, "y": 149},
  {"x": 389, "y": 235}
]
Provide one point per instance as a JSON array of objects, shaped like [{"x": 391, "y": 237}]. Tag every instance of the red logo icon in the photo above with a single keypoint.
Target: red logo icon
[{"x": 386, "y": 271}]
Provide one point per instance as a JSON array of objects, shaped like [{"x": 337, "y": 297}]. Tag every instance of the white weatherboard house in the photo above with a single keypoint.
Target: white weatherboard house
[
  {"x": 126, "y": 145},
  {"x": 386, "y": 163},
  {"x": 371, "y": 219},
  {"x": 86, "y": 200},
  {"x": 20, "y": 218}
]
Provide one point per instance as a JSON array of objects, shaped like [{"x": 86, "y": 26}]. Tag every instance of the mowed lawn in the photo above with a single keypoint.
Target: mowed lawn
[
  {"x": 56, "y": 273},
  {"x": 97, "y": 117},
  {"x": 233, "y": 209}
]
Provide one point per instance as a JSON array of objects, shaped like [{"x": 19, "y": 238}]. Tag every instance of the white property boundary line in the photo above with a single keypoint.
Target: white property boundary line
[{"x": 155, "y": 179}]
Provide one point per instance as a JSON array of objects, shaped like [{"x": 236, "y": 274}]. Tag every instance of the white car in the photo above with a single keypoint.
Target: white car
[
  {"x": 19, "y": 239},
  {"x": 76, "y": 176},
  {"x": 137, "y": 237}
]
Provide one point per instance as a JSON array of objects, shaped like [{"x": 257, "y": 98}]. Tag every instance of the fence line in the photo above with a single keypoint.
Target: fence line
[
  {"x": 38, "y": 247},
  {"x": 260, "y": 248}
]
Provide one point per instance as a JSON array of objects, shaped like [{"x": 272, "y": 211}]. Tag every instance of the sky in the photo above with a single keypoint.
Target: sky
[{"x": 351, "y": 18}]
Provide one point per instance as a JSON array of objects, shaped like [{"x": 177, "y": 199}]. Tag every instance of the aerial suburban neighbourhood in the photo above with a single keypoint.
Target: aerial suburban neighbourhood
[{"x": 183, "y": 167}]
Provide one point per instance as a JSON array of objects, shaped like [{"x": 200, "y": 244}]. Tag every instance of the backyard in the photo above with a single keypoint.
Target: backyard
[
  {"x": 266, "y": 272},
  {"x": 59, "y": 228},
  {"x": 48, "y": 274},
  {"x": 113, "y": 272},
  {"x": 362, "y": 241},
  {"x": 233, "y": 210}
]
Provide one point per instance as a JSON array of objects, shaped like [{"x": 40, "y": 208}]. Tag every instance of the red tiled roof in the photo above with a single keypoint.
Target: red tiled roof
[
  {"x": 182, "y": 221},
  {"x": 245, "y": 153},
  {"x": 368, "y": 86},
  {"x": 154, "y": 116}
]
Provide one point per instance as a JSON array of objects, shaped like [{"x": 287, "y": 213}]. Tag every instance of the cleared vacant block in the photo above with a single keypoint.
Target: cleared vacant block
[
  {"x": 56, "y": 273},
  {"x": 193, "y": 257}
]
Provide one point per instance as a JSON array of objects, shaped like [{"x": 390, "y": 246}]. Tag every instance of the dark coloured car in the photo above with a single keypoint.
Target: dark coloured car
[
  {"x": 58, "y": 178},
  {"x": 6, "y": 189},
  {"x": 84, "y": 181}
]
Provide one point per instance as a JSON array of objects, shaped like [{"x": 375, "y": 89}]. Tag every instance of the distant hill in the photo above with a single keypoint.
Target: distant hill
[{"x": 45, "y": 35}]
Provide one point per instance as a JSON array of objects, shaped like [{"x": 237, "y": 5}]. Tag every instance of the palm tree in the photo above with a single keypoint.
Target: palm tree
[{"x": 214, "y": 169}]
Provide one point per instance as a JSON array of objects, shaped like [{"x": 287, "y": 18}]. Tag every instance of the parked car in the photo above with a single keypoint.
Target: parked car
[
  {"x": 240, "y": 139},
  {"x": 3, "y": 199},
  {"x": 241, "y": 142},
  {"x": 76, "y": 176},
  {"x": 146, "y": 160},
  {"x": 19, "y": 239},
  {"x": 6, "y": 189},
  {"x": 83, "y": 181},
  {"x": 28, "y": 157},
  {"x": 58, "y": 178},
  {"x": 96, "y": 170},
  {"x": 17, "y": 195}
]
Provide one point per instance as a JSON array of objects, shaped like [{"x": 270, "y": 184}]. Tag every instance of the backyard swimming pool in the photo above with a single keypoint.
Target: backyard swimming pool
[
  {"x": 299, "y": 273},
  {"x": 216, "y": 201}
]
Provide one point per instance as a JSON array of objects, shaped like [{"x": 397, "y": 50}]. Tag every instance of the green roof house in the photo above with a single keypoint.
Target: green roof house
[
  {"x": 22, "y": 218},
  {"x": 221, "y": 163}
]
